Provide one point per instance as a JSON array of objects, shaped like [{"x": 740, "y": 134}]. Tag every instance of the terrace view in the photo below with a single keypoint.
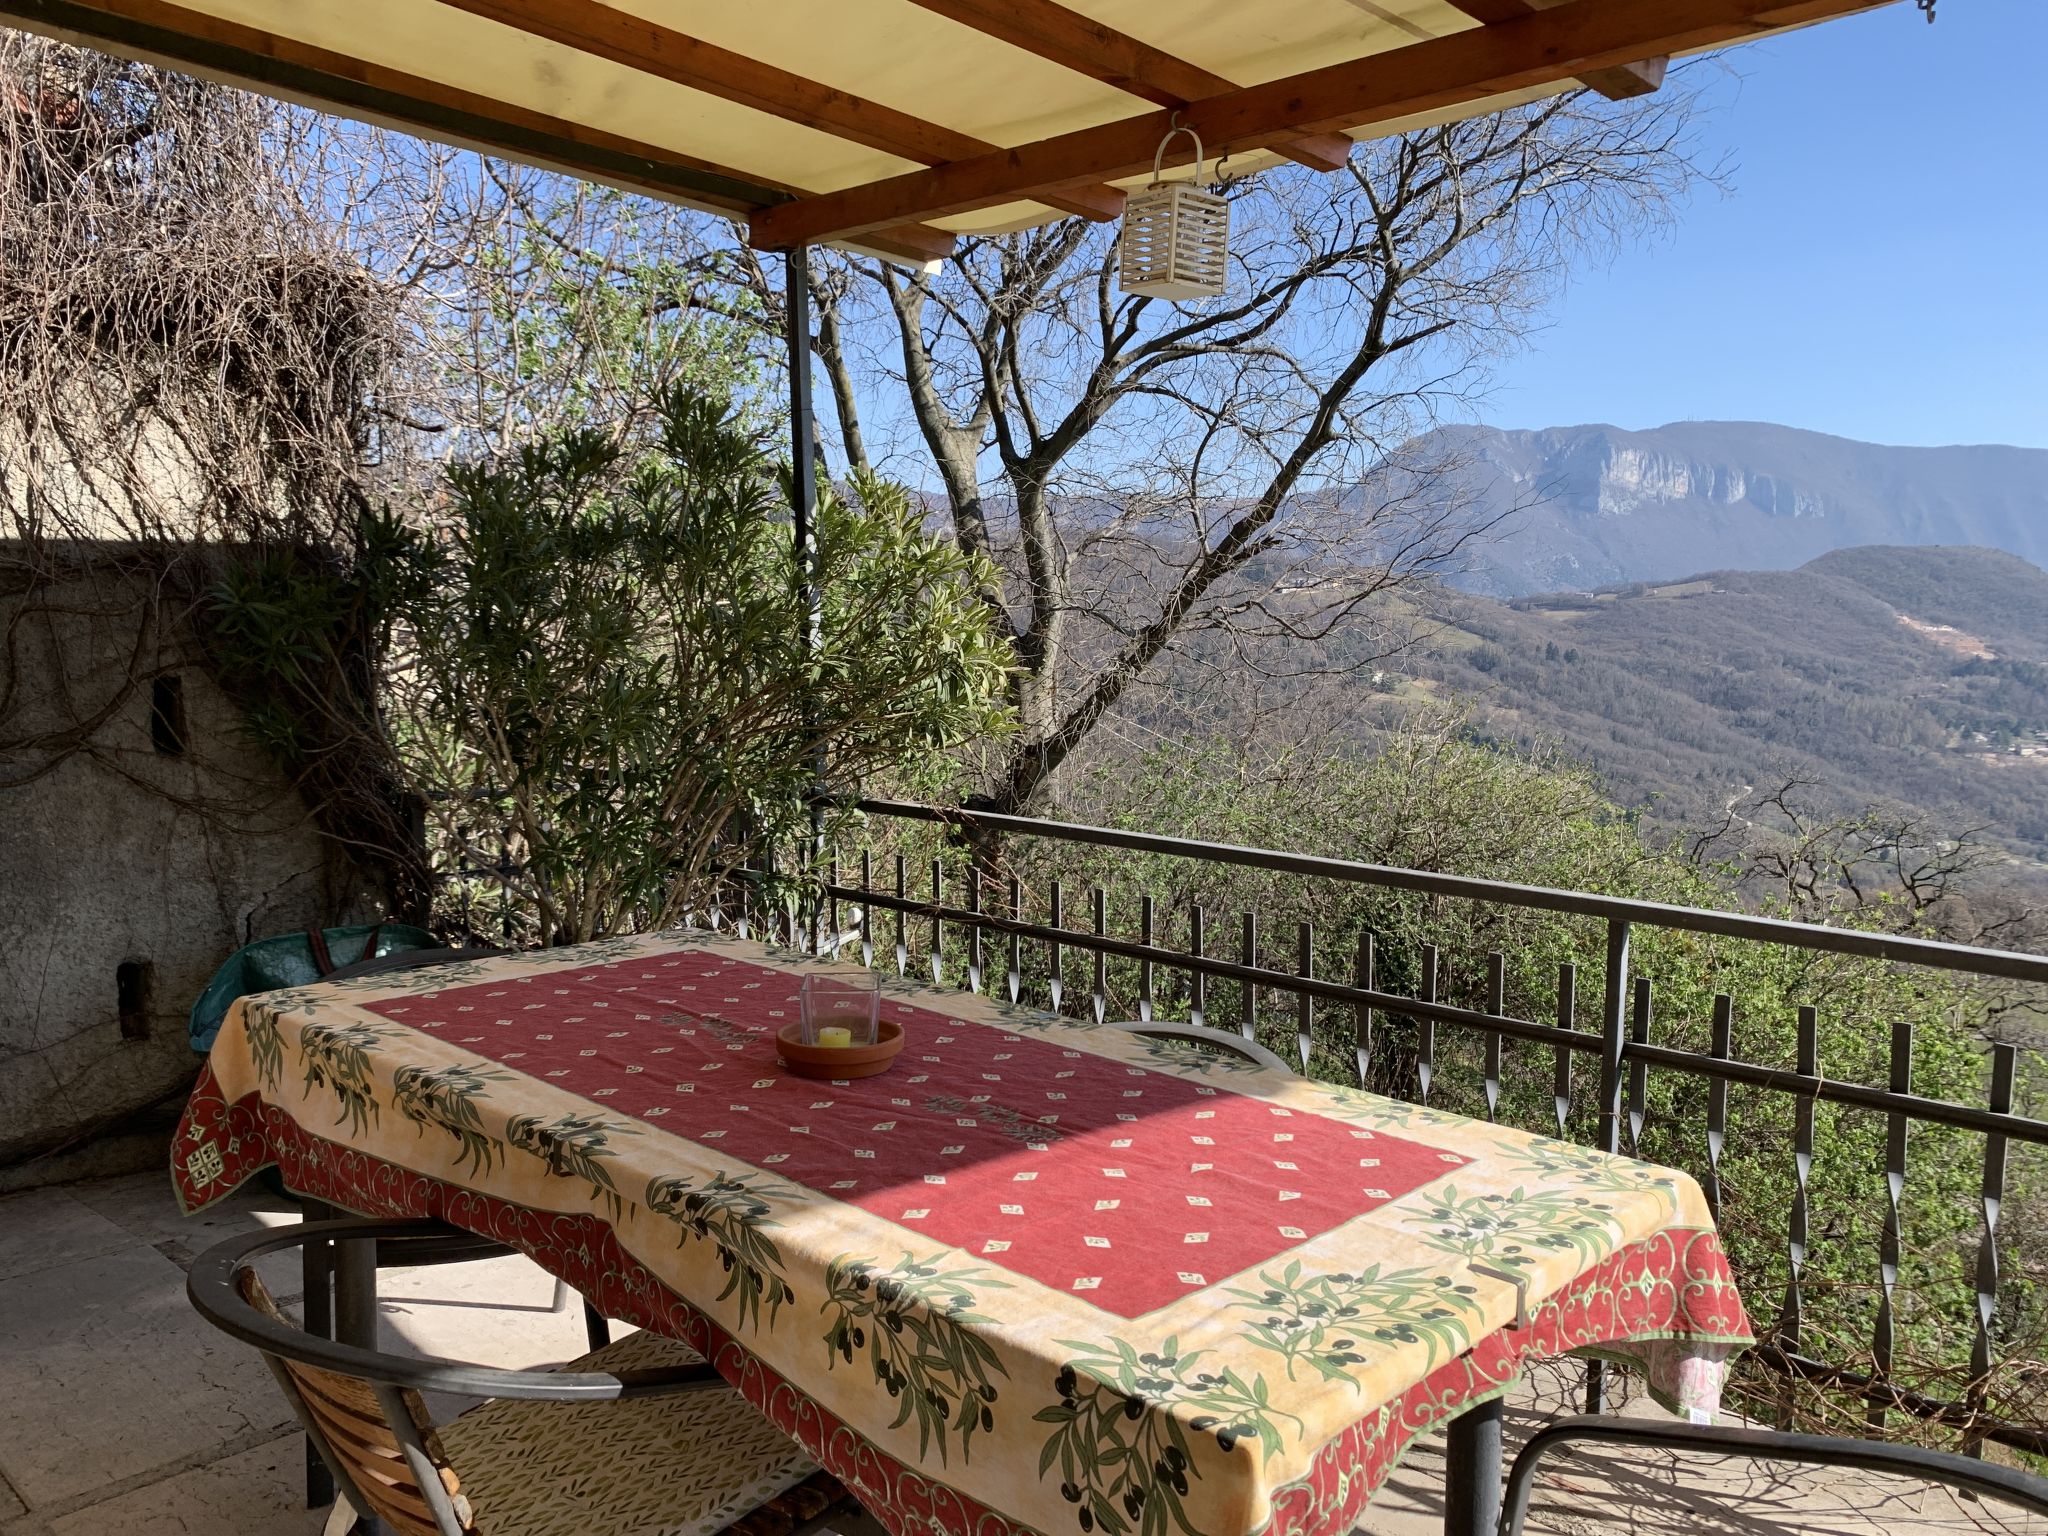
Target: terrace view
[{"x": 821, "y": 767}]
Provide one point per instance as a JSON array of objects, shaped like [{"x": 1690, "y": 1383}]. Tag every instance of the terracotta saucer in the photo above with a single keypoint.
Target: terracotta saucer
[{"x": 841, "y": 1062}]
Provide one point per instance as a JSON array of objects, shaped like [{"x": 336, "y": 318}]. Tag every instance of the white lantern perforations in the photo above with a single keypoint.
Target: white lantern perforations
[{"x": 1176, "y": 236}]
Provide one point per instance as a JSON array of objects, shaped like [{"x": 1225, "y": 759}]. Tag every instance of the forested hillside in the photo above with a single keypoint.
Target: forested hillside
[{"x": 1910, "y": 676}]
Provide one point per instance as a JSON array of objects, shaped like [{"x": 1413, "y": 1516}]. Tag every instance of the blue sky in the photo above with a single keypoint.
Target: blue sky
[{"x": 1879, "y": 268}]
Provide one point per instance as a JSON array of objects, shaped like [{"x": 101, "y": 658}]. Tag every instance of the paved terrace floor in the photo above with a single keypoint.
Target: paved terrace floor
[{"x": 122, "y": 1414}]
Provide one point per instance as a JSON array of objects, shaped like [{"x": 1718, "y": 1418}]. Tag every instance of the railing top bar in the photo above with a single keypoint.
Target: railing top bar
[{"x": 1933, "y": 953}]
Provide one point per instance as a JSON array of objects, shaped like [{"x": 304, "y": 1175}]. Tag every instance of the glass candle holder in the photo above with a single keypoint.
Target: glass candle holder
[{"x": 841, "y": 1007}]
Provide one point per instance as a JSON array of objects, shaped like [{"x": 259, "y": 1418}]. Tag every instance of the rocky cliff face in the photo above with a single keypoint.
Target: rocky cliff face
[{"x": 1590, "y": 506}]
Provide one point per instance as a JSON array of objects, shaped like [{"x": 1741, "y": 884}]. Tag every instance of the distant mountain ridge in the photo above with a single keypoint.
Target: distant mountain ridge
[{"x": 1593, "y": 506}]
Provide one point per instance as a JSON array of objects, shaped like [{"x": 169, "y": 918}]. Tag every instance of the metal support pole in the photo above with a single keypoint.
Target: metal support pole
[
  {"x": 315, "y": 1272},
  {"x": 803, "y": 464},
  {"x": 1472, "y": 1471},
  {"x": 355, "y": 1315}
]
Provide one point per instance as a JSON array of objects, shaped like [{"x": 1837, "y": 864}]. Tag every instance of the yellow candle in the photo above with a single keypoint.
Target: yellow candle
[{"x": 833, "y": 1034}]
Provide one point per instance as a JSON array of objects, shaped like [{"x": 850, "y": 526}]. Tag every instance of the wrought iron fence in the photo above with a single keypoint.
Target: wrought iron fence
[{"x": 940, "y": 908}]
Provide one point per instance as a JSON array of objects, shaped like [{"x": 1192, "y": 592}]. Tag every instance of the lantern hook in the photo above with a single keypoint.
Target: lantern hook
[{"x": 1159, "y": 155}]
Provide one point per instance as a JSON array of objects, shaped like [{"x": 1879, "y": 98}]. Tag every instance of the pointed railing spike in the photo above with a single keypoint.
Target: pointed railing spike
[
  {"x": 1497, "y": 1005},
  {"x": 1425, "y": 1048},
  {"x": 1304, "y": 1001},
  {"x": 1721, "y": 1045},
  {"x": 1248, "y": 994},
  {"x": 1638, "y": 1069},
  {"x": 1361, "y": 1013},
  {"x": 1147, "y": 915},
  {"x": 938, "y": 928},
  {"x": 1101, "y": 998},
  {"x": 1016, "y": 976},
  {"x": 832, "y": 902},
  {"x": 867, "y": 908},
  {"x": 1561, "y": 1065},
  {"x": 902, "y": 915},
  {"x": 974, "y": 930},
  {"x": 1056, "y": 918}
]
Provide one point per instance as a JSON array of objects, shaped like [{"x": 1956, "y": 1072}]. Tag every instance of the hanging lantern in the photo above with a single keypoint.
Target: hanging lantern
[{"x": 1176, "y": 237}]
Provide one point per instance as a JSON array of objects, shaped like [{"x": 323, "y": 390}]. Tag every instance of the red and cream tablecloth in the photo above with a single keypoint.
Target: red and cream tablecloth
[{"x": 1037, "y": 1277}]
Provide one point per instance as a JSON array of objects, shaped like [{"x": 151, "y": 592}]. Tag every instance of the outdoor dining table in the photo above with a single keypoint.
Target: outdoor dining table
[{"x": 1040, "y": 1276}]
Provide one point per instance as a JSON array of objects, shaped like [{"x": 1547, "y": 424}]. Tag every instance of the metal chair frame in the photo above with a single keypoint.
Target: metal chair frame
[
  {"x": 1945, "y": 1467},
  {"x": 212, "y": 1288}
]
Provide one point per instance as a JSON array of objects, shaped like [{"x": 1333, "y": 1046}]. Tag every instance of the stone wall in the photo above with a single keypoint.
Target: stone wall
[{"x": 142, "y": 839}]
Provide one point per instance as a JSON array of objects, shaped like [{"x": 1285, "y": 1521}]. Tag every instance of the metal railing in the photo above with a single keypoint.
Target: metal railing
[{"x": 958, "y": 920}]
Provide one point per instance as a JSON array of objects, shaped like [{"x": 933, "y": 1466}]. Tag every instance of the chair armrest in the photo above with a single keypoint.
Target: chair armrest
[
  {"x": 1962, "y": 1472},
  {"x": 211, "y": 1287},
  {"x": 1198, "y": 1034},
  {"x": 664, "y": 1381}
]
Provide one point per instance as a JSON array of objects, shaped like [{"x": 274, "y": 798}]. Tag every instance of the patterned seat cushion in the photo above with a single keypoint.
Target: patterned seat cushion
[{"x": 685, "y": 1465}]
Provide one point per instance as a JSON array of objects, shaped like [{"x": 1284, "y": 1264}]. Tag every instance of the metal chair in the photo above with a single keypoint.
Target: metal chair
[
  {"x": 639, "y": 1437},
  {"x": 1198, "y": 1034},
  {"x": 1978, "y": 1477}
]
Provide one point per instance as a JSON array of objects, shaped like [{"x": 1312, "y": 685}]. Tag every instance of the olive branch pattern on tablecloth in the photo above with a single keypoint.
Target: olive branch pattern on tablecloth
[
  {"x": 917, "y": 1325},
  {"x": 1513, "y": 1228},
  {"x": 1588, "y": 1169},
  {"x": 570, "y": 1146},
  {"x": 266, "y": 1044},
  {"x": 1330, "y": 1320},
  {"x": 337, "y": 1057},
  {"x": 731, "y": 1212},
  {"x": 1120, "y": 1431},
  {"x": 446, "y": 1098}
]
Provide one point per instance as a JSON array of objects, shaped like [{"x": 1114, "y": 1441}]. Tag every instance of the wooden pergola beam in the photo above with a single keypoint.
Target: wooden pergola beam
[
  {"x": 1617, "y": 82},
  {"x": 227, "y": 50},
  {"x": 1543, "y": 48},
  {"x": 1092, "y": 48},
  {"x": 620, "y": 37}
]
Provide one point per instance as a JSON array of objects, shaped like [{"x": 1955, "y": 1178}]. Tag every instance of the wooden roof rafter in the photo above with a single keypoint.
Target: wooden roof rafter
[
  {"x": 1544, "y": 47},
  {"x": 1090, "y": 48},
  {"x": 1617, "y": 82},
  {"x": 608, "y": 32}
]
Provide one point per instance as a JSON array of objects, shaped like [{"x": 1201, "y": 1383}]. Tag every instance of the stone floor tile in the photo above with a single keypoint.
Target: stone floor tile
[
  {"x": 107, "y": 1372},
  {"x": 42, "y": 1228},
  {"x": 257, "y": 1493},
  {"x": 143, "y": 1204}
]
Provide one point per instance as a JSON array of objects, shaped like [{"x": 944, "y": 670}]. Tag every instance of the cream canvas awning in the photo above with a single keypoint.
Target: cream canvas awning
[{"x": 895, "y": 125}]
